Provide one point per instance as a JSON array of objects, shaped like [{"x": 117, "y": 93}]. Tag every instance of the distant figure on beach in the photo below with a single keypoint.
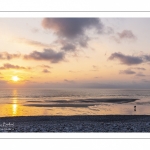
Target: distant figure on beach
[{"x": 134, "y": 108}]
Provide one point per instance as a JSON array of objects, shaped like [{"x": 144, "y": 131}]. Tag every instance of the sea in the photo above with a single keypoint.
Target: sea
[{"x": 73, "y": 101}]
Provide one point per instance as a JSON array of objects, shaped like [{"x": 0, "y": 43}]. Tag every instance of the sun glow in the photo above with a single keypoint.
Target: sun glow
[{"x": 15, "y": 78}]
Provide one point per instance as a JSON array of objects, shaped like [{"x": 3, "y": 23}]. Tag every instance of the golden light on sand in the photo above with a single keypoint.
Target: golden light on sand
[{"x": 15, "y": 78}]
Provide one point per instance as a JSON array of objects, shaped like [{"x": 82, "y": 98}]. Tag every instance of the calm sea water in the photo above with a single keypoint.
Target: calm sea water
[{"x": 34, "y": 102}]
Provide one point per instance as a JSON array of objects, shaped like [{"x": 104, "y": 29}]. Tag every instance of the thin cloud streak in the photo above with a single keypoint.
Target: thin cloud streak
[
  {"x": 7, "y": 56},
  {"x": 10, "y": 66},
  {"x": 140, "y": 74},
  {"x": 33, "y": 43},
  {"x": 128, "y": 71}
]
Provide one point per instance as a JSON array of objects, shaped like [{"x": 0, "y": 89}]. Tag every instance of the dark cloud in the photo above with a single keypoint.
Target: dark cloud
[
  {"x": 71, "y": 45},
  {"x": 126, "y": 59},
  {"x": 126, "y": 34},
  {"x": 71, "y": 27},
  {"x": 47, "y": 55},
  {"x": 73, "y": 31},
  {"x": 5, "y": 55},
  {"x": 10, "y": 66},
  {"x": 46, "y": 71},
  {"x": 68, "y": 47},
  {"x": 83, "y": 41},
  {"x": 128, "y": 71}
]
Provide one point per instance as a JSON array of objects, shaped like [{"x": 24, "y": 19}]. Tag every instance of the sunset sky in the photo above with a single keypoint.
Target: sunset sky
[{"x": 75, "y": 52}]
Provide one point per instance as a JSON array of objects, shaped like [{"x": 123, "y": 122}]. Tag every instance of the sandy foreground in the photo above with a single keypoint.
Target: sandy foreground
[{"x": 102, "y": 123}]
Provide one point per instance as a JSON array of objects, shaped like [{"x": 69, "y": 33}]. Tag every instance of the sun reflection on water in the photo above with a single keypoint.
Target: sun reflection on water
[
  {"x": 14, "y": 109},
  {"x": 14, "y": 103}
]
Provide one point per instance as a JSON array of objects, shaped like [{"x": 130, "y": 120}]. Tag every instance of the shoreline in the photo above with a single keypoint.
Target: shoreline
[{"x": 84, "y": 123}]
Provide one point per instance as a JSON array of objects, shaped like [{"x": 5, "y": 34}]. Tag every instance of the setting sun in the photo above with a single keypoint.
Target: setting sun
[{"x": 15, "y": 78}]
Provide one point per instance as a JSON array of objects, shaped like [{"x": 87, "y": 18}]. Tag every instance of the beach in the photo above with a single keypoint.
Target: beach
[
  {"x": 74, "y": 110},
  {"x": 73, "y": 124}
]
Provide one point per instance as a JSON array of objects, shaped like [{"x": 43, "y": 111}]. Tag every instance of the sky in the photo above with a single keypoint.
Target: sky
[{"x": 75, "y": 52}]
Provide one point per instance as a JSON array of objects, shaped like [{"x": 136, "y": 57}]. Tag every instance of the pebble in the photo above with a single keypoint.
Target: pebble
[
  {"x": 148, "y": 123},
  {"x": 130, "y": 125}
]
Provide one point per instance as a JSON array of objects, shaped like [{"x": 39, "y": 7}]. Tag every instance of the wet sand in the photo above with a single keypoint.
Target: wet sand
[
  {"x": 78, "y": 102},
  {"x": 88, "y": 123}
]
